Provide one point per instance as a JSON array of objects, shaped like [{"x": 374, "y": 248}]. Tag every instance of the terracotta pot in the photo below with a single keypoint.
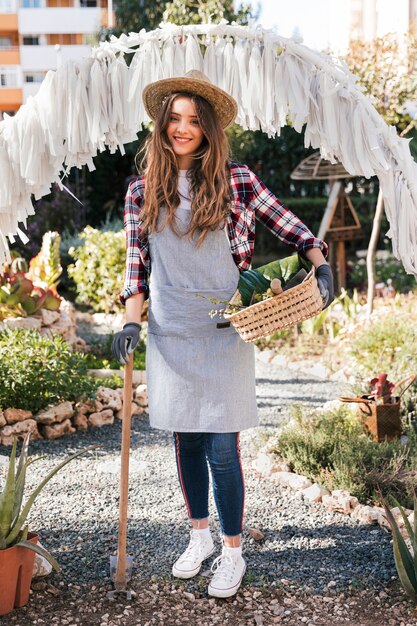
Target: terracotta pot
[{"x": 16, "y": 568}]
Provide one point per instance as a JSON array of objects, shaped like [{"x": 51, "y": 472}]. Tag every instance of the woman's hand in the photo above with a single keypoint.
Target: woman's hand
[
  {"x": 125, "y": 341},
  {"x": 324, "y": 277}
]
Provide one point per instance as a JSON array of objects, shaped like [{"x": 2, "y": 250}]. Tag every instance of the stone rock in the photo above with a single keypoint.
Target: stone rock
[
  {"x": 6, "y": 441},
  {"x": 65, "y": 324},
  {"x": 141, "y": 395},
  {"x": 17, "y": 415},
  {"x": 331, "y": 405},
  {"x": 2, "y": 419},
  {"x": 57, "y": 413},
  {"x": 255, "y": 533},
  {"x": 266, "y": 464},
  {"x": 289, "y": 479},
  {"x": 80, "y": 421},
  {"x": 101, "y": 418},
  {"x": 346, "y": 501},
  {"x": 18, "y": 428},
  {"x": 4, "y": 460},
  {"x": 28, "y": 323},
  {"x": 41, "y": 566},
  {"x": 109, "y": 398},
  {"x": 49, "y": 317},
  {"x": 411, "y": 518},
  {"x": 54, "y": 431},
  {"x": 315, "y": 492},
  {"x": 135, "y": 410},
  {"x": 365, "y": 514},
  {"x": 85, "y": 407}
]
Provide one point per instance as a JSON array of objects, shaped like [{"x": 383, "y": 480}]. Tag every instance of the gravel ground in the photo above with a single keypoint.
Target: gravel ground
[{"x": 313, "y": 566}]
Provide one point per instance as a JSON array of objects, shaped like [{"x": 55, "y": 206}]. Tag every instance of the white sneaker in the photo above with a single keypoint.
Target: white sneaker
[
  {"x": 229, "y": 569},
  {"x": 189, "y": 563}
]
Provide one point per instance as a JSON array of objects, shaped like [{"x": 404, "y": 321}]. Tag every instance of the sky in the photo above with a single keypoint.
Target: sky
[
  {"x": 324, "y": 24},
  {"x": 321, "y": 23}
]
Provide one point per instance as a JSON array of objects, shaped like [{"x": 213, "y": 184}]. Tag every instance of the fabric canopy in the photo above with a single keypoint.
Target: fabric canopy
[{"x": 86, "y": 107}]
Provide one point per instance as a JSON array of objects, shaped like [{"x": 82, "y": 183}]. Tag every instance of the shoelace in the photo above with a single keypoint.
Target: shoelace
[
  {"x": 196, "y": 544},
  {"x": 223, "y": 567}
]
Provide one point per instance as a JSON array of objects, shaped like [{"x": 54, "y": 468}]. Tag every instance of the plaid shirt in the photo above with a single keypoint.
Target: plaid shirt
[{"x": 251, "y": 200}]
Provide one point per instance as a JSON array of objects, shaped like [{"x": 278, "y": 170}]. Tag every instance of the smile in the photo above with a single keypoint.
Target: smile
[{"x": 182, "y": 139}]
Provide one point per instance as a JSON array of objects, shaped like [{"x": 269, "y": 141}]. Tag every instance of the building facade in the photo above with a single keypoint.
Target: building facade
[{"x": 38, "y": 35}]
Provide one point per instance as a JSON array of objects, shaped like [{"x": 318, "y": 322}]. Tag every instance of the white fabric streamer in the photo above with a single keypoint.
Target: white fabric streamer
[{"x": 86, "y": 107}]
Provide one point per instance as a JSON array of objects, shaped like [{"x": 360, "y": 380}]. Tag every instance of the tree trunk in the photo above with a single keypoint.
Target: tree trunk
[{"x": 370, "y": 257}]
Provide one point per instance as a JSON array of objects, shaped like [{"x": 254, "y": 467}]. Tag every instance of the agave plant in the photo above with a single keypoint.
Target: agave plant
[
  {"x": 404, "y": 557},
  {"x": 13, "y": 531}
]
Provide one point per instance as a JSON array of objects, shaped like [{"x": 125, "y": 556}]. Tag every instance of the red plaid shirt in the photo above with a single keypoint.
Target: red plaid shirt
[{"x": 251, "y": 200}]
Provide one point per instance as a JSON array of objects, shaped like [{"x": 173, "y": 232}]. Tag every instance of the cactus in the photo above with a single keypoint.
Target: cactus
[
  {"x": 12, "y": 516},
  {"x": 45, "y": 268},
  {"x": 405, "y": 559},
  {"x": 381, "y": 388}
]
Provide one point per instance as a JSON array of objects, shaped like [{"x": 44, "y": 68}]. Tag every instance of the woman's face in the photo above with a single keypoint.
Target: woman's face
[{"x": 184, "y": 132}]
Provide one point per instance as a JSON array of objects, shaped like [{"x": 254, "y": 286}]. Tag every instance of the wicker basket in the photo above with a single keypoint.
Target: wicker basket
[{"x": 281, "y": 311}]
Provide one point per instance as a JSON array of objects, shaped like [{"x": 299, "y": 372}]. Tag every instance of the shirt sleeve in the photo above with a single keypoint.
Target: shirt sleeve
[
  {"x": 281, "y": 221},
  {"x": 136, "y": 275}
]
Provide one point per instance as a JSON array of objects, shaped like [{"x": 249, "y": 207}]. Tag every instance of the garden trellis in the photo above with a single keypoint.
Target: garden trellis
[{"x": 95, "y": 104}]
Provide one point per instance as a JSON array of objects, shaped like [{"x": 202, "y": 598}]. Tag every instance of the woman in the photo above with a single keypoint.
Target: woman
[{"x": 191, "y": 216}]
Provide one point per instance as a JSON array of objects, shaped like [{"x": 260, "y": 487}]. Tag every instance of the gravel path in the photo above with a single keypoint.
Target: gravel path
[{"x": 307, "y": 551}]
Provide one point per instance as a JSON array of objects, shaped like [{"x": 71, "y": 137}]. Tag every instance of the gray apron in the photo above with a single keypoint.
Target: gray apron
[{"x": 200, "y": 378}]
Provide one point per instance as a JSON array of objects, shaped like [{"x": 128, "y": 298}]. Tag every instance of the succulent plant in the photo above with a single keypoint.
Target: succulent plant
[
  {"x": 381, "y": 388},
  {"x": 405, "y": 558},
  {"x": 45, "y": 268},
  {"x": 19, "y": 297},
  {"x": 13, "y": 528}
]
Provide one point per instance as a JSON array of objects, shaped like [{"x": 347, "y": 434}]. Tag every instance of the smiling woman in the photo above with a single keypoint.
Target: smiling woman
[{"x": 184, "y": 131}]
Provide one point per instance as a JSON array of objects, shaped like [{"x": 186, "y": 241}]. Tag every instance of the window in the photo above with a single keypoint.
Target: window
[
  {"x": 8, "y": 77},
  {"x": 32, "y": 4},
  {"x": 8, "y": 6},
  {"x": 34, "y": 77},
  {"x": 88, "y": 3},
  {"x": 31, "y": 40},
  {"x": 5, "y": 42}
]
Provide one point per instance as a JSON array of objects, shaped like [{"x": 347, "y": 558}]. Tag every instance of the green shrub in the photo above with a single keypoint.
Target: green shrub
[
  {"x": 36, "y": 371},
  {"x": 99, "y": 269},
  {"x": 100, "y": 356},
  {"x": 387, "y": 344},
  {"x": 332, "y": 449}
]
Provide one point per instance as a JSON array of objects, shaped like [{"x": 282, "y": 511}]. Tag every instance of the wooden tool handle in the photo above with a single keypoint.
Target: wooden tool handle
[{"x": 120, "y": 578}]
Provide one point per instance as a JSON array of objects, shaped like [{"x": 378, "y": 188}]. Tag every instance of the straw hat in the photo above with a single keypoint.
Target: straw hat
[{"x": 194, "y": 82}]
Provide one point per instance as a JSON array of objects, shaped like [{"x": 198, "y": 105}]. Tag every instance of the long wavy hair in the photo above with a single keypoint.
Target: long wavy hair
[{"x": 209, "y": 177}]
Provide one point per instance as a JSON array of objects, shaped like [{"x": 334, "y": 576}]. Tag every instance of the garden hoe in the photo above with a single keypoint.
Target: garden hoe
[{"x": 121, "y": 565}]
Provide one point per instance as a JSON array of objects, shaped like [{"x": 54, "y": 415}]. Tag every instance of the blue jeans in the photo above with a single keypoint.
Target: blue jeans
[{"x": 222, "y": 451}]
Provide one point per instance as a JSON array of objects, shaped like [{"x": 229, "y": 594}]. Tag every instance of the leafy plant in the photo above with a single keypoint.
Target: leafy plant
[
  {"x": 405, "y": 558},
  {"x": 36, "y": 371},
  {"x": 20, "y": 297},
  {"x": 13, "y": 528},
  {"x": 99, "y": 268}
]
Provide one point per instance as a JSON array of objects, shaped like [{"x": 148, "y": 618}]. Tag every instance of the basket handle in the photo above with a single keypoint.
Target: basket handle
[{"x": 405, "y": 383}]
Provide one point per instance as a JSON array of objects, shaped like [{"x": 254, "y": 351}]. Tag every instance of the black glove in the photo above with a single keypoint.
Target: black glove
[
  {"x": 125, "y": 341},
  {"x": 325, "y": 282}
]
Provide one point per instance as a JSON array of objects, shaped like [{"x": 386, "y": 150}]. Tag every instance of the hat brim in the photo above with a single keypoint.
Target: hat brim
[{"x": 223, "y": 104}]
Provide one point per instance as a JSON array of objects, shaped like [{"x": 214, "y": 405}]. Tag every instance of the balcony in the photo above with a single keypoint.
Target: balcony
[
  {"x": 43, "y": 58},
  {"x": 9, "y": 56},
  {"x": 8, "y": 22},
  {"x": 10, "y": 99},
  {"x": 59, "y": 20}
]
